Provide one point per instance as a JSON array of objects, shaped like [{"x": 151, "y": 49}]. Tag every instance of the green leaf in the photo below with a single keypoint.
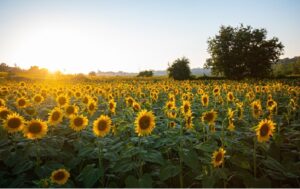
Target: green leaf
[
  {"x": 208, "y": 182},
  {"x": 89, "y": 175},
  {"x": 22, "y": 166},
  {"x": 169, "y": 171},
  {"x": 153, "y": 156},
  {"x": 190, "y": 158},
  {"x": 145, "y": 181},
  {"x": 131, "y": 182}
]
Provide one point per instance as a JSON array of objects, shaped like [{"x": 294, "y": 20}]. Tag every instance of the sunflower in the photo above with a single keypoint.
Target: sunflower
[
  {"x": 264, "y": 130},
  {"x": 230, "y": 125},
  {"x": 240, "y": 110},
  {"x": 38, "y": 98},
  {"x": 172, "y": 113},
  {"x": 216, "y": 91},
  {"x": 60, "y": 176},
  {"x": 144, "y": 123},
  {"x": 271, "y": 105},
  {"x": 4, "y": 112},
  {"x": 129, "y": 101},
  {"x": 2, "y": 102},
  {"x": 55, "y": 116},
  {"x": 256, "y": 108},
  {"x": 92, "y": 107},
  {"x": 209, "y": 117},
  {"x": 172, "y": 124},
  {"x": 21, "y": 102},
  {"x": 62, "y": 100},
  {"x": 230, "y": 97},
  {"x": 205, "y": 100},
  {"x": 112, "y": 106},
  {"x": 169, "y": 105},
  {"x": 218, "y": 157},
  {"x": 186, "y": 107},
  {"x": 78, "y": 122},
  {"x": 14, "y": 123},
  {"x": 136, "y": 106},
  {"x": 189, "y": 121},
  {"x": 102, "y": 125},
  {"x": 35, "y": 129},
  {"x": 71, "y": 110}
]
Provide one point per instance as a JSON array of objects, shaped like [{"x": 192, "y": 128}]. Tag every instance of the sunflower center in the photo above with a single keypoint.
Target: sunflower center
[
  {"x": 62, "y": 101},
  {"x": 209, "y": 117},
  {"x": 219, "y": 157},
  {"x": 14, "y": 123},
  {"x": 59, "y": 175},
  {"x": 21, "y": 102},
  {"x": 204, "y": 100},
  {"x": 70, "y": 110},
  {"x": 102, "y": 125},
  {"x": 55, "y": 116},
  {"x": 186, "y": 108},
  {"x": 4, "y": 114},
  {"x": 38, "y": 99},
  {"x": 264, "y": 130},
  {"x": 35, "y": 128},
  {"x": 78, "y": 121},
  {"x": 91, "y": 107},
  {"x": 111, "y": 105},
  {"x": 144, "y": 122}
]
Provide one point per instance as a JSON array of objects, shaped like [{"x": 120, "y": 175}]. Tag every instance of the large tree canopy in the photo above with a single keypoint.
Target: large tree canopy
[
  {"x": 242, "y": 52},
  {"x": 180, "y": 69}
]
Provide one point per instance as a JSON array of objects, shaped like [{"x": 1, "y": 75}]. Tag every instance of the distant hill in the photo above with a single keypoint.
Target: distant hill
[{"x": 195, "y": 71}]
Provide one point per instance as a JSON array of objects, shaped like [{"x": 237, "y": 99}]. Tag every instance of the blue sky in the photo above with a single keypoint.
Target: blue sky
[{"x": 131, "y": 35}]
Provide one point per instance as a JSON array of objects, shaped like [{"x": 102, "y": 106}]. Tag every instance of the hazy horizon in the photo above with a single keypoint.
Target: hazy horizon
[{"x": 130, "y": 35}]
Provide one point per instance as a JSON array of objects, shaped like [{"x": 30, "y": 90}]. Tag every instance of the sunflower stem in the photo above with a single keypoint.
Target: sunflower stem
[
  {"x": 180, "y": 156},
  {"x": 254, "y": 157},
  {"x": 100, "y": 157}
]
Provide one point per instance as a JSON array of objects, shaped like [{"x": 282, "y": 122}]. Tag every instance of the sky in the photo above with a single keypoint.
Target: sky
[{"x": 79, "y": 36}]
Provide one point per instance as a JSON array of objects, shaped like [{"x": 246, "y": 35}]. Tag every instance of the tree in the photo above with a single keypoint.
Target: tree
[
  {"x": 180, "y": 69},
  {"x": 92, "y": 74},
  {"x": 145, "y": 73},
  {"x": 242, "y": 52}
]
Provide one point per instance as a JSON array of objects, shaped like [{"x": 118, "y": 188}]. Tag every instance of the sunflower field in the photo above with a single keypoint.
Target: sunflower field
[{"x": 150, "y": 133}]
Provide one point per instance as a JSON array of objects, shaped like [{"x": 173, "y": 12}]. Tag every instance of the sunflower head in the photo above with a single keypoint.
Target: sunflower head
[
  {"x": 78, "y": 122},
  {"x": 2, "y": 102},
  {"x": 92, "y": 107},
  {"x": 62, "y": 100},
  {"x": 14, "y": 123},
  {"x": 205, "y": 100},
  {"x": 209, "y": 117},
  {"x": 186, "y": 107},
  {"x": 230, "y": 96},
  {"x": 55, "y": 116},
  {"x": 112, "y": 106},
  {"x": 264, "y": 130},
  {"x": 22, "y": 102},
  {"x": 144, "y": 123},
  {"x": 35, "y": 129},
  {"x": 71, "y": 110},
  {"x": 38, "y": 99},
  {"x": 102, "y": 126},
  {"x": 136, "y": 106},
  {"x": 218, "y": 157},
  {"x": 60, "y": 176},
  {"x": 4, "y": 112}
]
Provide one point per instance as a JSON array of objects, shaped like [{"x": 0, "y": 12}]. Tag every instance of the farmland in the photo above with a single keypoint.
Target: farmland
[{"x": 150, "y": 133}]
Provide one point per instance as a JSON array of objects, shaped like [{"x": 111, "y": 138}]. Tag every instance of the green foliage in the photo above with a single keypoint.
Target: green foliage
[
  {"x": 243, "y": 52},
  {"x": 145, "y": 73},
  {"x": 287, "y": 66},
  {"x": 180, "y": 69}
]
